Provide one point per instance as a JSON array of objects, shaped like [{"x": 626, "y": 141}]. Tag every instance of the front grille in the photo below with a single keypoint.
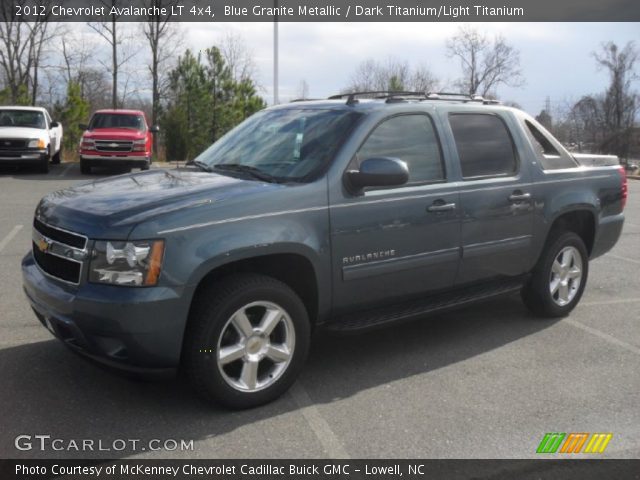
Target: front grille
[
  {"x": 12, "y": 144},
  {"x": 68, "y": 238},
  {"x": 117, "y": 146},
  {"x": 58, "y": 252},
  {"x": 58, "y": 267}
]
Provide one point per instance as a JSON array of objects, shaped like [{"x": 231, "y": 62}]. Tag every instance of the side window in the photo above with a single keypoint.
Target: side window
[
  {"x": 484, "y": 145},
  {"x": 411, "y": 138},
  {"x": 549, "y": 156}
]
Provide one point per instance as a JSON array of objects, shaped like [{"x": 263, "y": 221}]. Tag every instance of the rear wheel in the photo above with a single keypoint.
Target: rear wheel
[
  {"x": 57, "y": 158},
  {"x": 559, "y": 278},
  {"x": 247, "y": 341}
]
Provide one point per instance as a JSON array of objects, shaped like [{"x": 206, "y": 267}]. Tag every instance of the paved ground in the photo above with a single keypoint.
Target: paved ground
[{"x": 483, "y": 382}]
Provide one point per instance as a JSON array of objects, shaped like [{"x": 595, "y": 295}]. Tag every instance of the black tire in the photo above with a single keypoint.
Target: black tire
[
  {"x": 44, "y": 165},
  {"x": 537, "y": 294},
  {"x": 209, "y": 321},
  {"x": 85, "y": 167},
  {"x": 57, "y": 158},
  {"x": 146, "y": 165}
]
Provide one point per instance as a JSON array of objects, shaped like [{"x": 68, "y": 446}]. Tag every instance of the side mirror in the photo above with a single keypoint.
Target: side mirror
[
  {"x": 154, "y": 129},
  {"x": 379, "y": 172},
  {"x": 83, "y": 126},
  {"x": 54, "y": 125}
]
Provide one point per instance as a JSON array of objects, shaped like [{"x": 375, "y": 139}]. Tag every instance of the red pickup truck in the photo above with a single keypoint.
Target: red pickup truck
[{"x": 116, "y": 138}]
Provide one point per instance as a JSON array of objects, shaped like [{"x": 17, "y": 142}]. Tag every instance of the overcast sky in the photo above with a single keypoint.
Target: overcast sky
[{"x": 555, "y": 57}]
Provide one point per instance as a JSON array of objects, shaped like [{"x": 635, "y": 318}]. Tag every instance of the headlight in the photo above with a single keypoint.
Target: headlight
[
  {"x": 139, "y": 145},
  {"x": 87, "y": 144},
  {"x": 134, "y": 263},
  {"x": 37, "y": 143}
]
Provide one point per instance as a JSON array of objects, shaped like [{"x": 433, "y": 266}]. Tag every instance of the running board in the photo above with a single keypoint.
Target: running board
[{"x": 379, "y": 317}]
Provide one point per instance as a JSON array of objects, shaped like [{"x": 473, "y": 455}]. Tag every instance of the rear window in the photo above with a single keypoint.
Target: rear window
[
  {"x": 550, "y": 156},
  {"x": 117, "y": 120},
  {"x": 484, "y": 145}
]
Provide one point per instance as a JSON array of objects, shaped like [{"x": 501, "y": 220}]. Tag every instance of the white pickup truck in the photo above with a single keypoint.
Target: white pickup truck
[{"x": 28, "y": 136}]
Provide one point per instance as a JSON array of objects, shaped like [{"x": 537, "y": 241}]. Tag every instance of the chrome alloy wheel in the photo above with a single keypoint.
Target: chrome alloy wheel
[
  {"x": 566, "y": 276},
  {"x": 255, "y": 346}
]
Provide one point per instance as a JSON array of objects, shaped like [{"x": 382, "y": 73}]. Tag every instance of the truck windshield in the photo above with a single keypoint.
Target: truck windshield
[
  {"x": 22, "y": 118},
  {"x": 117, "y": 120},
  {"x": 285, "y": 144}
]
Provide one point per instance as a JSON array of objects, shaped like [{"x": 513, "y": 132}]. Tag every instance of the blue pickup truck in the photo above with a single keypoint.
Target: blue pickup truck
[{"x": 347, "y": 213}]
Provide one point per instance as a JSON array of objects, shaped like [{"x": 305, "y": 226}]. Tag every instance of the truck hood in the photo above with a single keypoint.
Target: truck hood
[
  {"x": 21, "y": 132},
  {"x": 114, "y": 134},
  {"x": 110, "y": 208}
]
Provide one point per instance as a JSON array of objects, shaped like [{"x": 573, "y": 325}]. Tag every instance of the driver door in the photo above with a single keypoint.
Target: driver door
[{"x": 395, "y": 242}]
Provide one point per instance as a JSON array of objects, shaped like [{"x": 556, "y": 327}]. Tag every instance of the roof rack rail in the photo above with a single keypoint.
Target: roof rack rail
[
  {"x": 375, "y": 94},
  {"x": 463, "y": 97},
  {"x": 397, "y": 96}
]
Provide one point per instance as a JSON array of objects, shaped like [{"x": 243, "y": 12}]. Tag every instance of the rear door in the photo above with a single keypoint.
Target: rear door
[
  {"x": 395, "y": 242},
  {"x": 496, "y": 197}
]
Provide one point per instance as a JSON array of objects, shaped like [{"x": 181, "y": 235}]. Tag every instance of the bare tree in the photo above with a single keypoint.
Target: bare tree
[
  {"x": 238, "y": 57},
  {"x": 423, "y": 80},
  {"x": 77, "y": 52},
  {"x": 43, "y": 35},
  {"x": 21, "y": 51},
  {"x": 486, "y": 63},
  {"x": 392, "y": 74},
  {"x": 109, "y": 31},
  {"x": 619, "y": 104},
  {"x": 164, "y": 42},
  {"x": 303, "y": 90}
]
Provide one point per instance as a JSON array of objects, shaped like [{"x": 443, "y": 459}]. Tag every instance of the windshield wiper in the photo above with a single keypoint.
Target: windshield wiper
[
  {"x": 203, "y": 166},
  {"x": 248, "y": 169}
]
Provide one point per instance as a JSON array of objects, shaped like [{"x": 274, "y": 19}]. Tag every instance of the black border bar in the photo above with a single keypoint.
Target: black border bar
[
  {"x": 323, "y": 10},
  {"x": 538, "y": 469}
]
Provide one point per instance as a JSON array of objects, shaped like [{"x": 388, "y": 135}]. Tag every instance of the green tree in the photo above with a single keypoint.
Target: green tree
[
  {"x": 221, "y": 90},
  {"x": 186, "y": 121},
  {"x": 22, "y": 96},
  {"x": 75, "y": 110},
  {"x": 205, "y": 103},
  {"x": 395, "y": 84}
]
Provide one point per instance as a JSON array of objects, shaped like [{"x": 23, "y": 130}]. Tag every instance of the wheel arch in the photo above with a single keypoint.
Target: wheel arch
[
  {"x": 294, "y": 268},
  {"x": 581, "y": 221}
]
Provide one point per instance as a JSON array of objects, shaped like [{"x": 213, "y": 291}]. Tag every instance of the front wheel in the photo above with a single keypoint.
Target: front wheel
[
  {"x": 44, "y": 164},
  {"x": 85, "y": 167},
  {"x": 559, "y": 278},
  {"x": 247, "y": 341}
]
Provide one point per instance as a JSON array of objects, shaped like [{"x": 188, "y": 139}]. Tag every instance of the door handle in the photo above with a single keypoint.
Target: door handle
[
  {"x": 440, "y": 206},
  {"x": 519, "y": 197}
]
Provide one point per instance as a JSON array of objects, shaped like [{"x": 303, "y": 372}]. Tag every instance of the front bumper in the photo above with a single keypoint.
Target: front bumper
[
  {"x": 607, "y": 234},
  {"x": 108, "y": 159},
  {"x": 134, "y": 329},
  {"x": 27, "y": 157}
]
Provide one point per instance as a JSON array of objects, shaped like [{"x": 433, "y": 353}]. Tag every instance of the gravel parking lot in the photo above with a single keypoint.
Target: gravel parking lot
[{"x": 486, "y": 381}]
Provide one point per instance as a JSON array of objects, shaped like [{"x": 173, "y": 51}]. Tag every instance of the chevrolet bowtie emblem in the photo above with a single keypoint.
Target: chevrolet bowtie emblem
[
  {"x": 113, "y": 145},
  {"x": 43, "y": 245}
]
